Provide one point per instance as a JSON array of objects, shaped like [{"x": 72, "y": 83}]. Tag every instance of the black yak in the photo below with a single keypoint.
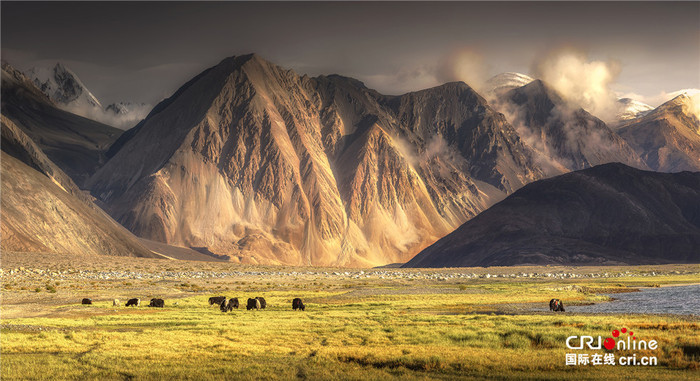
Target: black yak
[
  {"x": 556, "y": 305},
  {"x": 226, "y": 307},
  {"x": 216, "y": 300},
  {"x": 87, "y": 301},
  {"x": 157, "y": 303},
  {"x": 253, "y": 304},
  {"x": 298, "y": 304},
  {"x": 263, "y": 303},
  {"x": 133, "y": 302}
]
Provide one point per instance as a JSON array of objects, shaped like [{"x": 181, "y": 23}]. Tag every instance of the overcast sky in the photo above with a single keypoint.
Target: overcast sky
[{"x": 144, "y": 51}]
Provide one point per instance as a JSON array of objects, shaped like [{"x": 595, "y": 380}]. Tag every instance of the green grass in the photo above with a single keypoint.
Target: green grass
[{"x": 374, "y": 334}]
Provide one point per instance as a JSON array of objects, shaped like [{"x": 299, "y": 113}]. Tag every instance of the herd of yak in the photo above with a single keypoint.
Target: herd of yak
[
  {"x": 224, "y": 304},
  {"x": 256, "y": 303},
  {"x": 259, "y": 303}
]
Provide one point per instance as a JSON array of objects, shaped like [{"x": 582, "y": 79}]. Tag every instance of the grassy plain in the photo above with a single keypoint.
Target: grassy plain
[{"x": 365, "y": 328}]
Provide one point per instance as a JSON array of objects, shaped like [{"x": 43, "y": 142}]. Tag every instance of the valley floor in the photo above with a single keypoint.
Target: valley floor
[{"x": 474, "y": 323}]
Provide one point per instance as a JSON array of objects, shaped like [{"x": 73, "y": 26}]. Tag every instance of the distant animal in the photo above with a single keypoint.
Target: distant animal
[
  {"x": 223, "y": 306},
  {"x": 133, "y": 302},
  {"x": 253, "y": 304},
  {"x": 226, "y": 307},
  {"x": 115, "y": 302},
  {"x": 87, "y": 301},
  {"x": 556, "y": 305},
  {"x": 263, "y": 303},
  {"x": 298, "y": 304},
  {"x": 216, "y": 300},
  {"x": 157, "y": 303},
  {"x": 232, "y": 303}
]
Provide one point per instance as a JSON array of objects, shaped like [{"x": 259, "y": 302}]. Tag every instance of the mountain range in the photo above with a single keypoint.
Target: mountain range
[
  {"x": 267, "y": 166},
  {"x": 261, "y": 165},
  {"x": 69, "y": 93}
]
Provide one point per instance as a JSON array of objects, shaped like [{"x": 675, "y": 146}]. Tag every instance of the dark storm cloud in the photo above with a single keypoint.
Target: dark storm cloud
[{"x": 143, "y": 51}]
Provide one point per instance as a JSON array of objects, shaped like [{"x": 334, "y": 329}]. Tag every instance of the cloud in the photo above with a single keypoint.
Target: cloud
[
  {"x": 121, "y": 121},
  {"x": 544, "y": 155},
  {"x": 404, "y": 80},
  {"x": 580, "y": 80},
  {"x": 695, "y": 105},
  {"x": 664, "y": 96},
  {"x": 466, "y": 65}
]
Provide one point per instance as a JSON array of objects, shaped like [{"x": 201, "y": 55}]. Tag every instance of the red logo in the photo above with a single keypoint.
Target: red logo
[{"x": 609, "y": 343}]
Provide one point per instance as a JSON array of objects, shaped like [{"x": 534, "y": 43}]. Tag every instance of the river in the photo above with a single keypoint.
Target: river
[{"x": 681, "y": 300}]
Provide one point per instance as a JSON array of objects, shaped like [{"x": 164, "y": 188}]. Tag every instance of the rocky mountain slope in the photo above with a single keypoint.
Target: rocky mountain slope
[
  {"x": 668, "y": 138},
  {"x": 43, "y": 210},
  {"x": 76, "y": 144},
  {"x": 609, "y": 214},
  {"x": 256, "y": 162},
  {"x": 566, "y": 136}
]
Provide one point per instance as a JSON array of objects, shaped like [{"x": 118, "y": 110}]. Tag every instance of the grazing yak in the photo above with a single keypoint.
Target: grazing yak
[
  {"x": 253, "y": 304},
  {"x": 263, "y": 303},
  {"x": 157, "y": 303},
  {"x": 223, "y": 306},
  {"x": 556, "y": 305},
  {"x": 115, "y": 302},
  {"x": 232, "y": 303},
  {"x": 216, "y": 300},
  {"x": 87, "y": 301},
  {"x": 226, "y": 307},
  {"x": 298, "y": 304},
  {"x": 133, "y": 302}
]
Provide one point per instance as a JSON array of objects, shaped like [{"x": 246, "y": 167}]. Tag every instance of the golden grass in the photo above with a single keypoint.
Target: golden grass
[{"x": 351, "y": 331}]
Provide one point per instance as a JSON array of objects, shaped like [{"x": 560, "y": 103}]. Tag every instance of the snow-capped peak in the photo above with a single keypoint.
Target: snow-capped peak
[
  {"x": 629, "y": 108},
  {"x": 689, "y": 102},
  {"x": 507, "y": 81},
  {"x": 62, "y": 85}
]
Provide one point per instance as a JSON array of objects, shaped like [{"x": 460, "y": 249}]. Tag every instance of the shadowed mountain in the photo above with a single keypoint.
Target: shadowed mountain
[
  {"x": 256, "y": 162},
  {"x": 76, "y": 144},
  {"x": 44, "y": 211},
  {"x": 668, "y": 138},
  {"x": 567, "y": 136},
  {"x": 609, "y": 214}
]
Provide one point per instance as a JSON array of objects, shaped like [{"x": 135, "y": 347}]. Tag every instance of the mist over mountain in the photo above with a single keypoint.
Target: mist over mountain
[
  {"x": 667, "y": 138},
  {"x": 566, "y": 136},
  {"x": 608, "y": 214},
  {"x": 267, "y": 166},
  {"x": 69, "y": 93}
]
